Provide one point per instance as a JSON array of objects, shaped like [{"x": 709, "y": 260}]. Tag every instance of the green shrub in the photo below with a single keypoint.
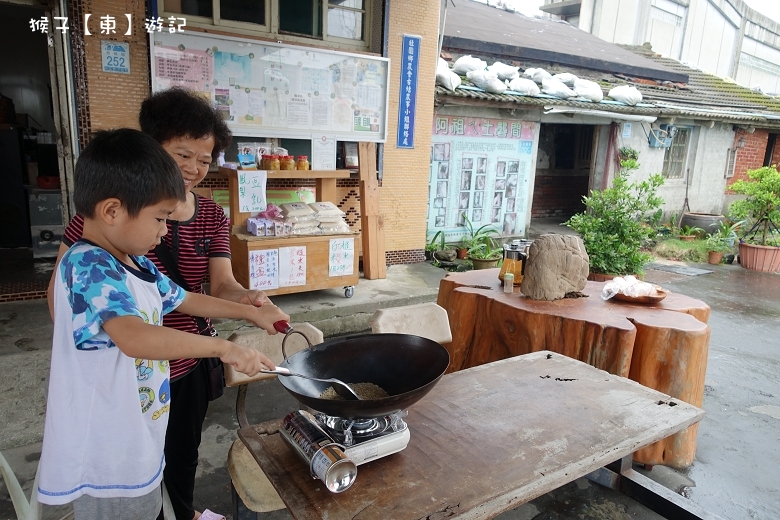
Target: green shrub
[
  {"x": 762, "y": 204},
  {"x": 612, "y": 225}
]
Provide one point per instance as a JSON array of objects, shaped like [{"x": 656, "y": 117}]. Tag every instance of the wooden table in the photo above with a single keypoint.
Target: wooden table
[
  {"x": 662, "y": 346},
  {"x": 486, "y": 440}
]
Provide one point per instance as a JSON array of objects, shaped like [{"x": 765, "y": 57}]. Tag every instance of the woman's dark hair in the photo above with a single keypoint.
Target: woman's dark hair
[
  {"x": 128, "y": 165},
  {"x": 178, "y": 112}
]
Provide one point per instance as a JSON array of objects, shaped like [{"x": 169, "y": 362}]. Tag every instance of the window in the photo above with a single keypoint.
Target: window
[
  {"x": 731, "y": 162},
  {"x": 676, "y": 155},
  {"x": 345, "y": 19},
  {"x": 343, "y": 23}
]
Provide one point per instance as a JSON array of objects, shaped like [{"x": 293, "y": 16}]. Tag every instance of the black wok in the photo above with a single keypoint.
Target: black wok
[{"x": 405, "y": 366}]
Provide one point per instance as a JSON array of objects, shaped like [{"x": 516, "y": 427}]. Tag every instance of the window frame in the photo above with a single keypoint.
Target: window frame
[
  {"x": 271, "y": 28},
  {"x": 685, "y": 160}
]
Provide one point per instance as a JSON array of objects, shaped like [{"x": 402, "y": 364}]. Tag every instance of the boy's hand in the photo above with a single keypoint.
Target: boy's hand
[
  {"x": 246, "y": 360},
  {"x": 265, "y": 317},
  {"x": 254, "y": 297}
]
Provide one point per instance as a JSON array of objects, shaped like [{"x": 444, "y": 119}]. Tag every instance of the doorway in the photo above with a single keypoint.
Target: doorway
[
  {"x": 35, "y": 149},
  {"x": 563, "y": 168}
]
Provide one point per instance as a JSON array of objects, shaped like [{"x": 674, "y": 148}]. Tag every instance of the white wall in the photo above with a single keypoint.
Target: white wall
[
  {"x": 759, "y": 64},
  {"x": 665, "y": 27},
  {"x": 710, "y": 38},
  {"x": 706, "y": 159}
]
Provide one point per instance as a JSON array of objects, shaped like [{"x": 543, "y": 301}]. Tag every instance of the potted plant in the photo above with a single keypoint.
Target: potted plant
[
  {"x": 689, "y": 233},
  {"x": 758, "y": 247},
  {"x": 462, "y": 249},
  {"x": 716, "y": 247},
  {"x": 612, "y": 226},
  {"x": 484, "y": 255}
]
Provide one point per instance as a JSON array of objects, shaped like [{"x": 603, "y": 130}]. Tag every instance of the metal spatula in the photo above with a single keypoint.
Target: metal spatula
[{"x": 339, "y": 386}]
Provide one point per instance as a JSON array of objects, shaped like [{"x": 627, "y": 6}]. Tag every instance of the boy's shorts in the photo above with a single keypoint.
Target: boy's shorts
[{"x": 145, "y": 507}]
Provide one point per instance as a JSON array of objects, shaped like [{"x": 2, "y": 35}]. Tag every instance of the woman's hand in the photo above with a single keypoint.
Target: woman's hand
[
  {"x": 245, "y": 360},
  {"x": 265, "y": 317},
  {"x": 254, "y": 297}
]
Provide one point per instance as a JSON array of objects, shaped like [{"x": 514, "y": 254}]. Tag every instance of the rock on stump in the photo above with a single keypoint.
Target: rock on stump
[{"x": 557, "y": 265}]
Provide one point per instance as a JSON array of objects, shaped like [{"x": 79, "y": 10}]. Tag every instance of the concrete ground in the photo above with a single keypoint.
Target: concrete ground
[{"x": 735, "y": 474}]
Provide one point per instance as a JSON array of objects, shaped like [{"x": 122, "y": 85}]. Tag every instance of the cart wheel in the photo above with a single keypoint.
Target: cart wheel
[{"x": 349, "y": 291}]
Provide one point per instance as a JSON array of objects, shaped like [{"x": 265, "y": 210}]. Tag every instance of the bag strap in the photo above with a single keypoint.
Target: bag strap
[{"x": 165, "y": 255}]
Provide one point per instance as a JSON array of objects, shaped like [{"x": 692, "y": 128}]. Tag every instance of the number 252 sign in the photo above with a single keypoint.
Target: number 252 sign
[{"x": 116, "y": 57}]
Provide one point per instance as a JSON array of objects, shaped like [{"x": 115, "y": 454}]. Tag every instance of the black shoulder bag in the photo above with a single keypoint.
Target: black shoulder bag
[{"x": 216, "y": 372}]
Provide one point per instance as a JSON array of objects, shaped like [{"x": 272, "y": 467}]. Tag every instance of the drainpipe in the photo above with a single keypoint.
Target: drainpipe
[{"x": 380, "y": 149}]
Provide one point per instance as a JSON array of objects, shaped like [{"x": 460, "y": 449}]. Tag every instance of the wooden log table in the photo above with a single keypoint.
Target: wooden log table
[
  {"x": 662, "y": 346},
  {"x": 490, "y": 438}
]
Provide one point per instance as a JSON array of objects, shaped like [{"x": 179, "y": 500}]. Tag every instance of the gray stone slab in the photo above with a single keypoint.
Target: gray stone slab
[{"x": 678, "y": 269}]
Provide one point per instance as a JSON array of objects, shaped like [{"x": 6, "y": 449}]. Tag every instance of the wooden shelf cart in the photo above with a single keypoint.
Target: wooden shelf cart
[{"x": 317, "y": 246}]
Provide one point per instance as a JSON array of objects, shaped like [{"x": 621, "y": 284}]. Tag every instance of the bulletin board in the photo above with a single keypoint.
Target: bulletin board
[
  {"x": 276, "y": 90},
  {"x": 481, "y": 167}
]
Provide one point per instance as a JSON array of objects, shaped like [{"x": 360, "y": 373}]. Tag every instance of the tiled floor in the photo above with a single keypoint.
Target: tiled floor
[{"x": 23, "y": 277}]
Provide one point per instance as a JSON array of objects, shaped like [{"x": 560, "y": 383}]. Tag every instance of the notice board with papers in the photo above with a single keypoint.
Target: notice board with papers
[{"x": 270, "y": 89}]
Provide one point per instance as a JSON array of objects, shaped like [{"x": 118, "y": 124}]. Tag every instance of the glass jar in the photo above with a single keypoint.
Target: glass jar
[
  {"x": 273, "y": 163},
  {"x": 514, "y": 262},
  {"x": 287, "y": 162},
  {"x": 303, "y": 162},
  {"x": 264, "y": 162}
]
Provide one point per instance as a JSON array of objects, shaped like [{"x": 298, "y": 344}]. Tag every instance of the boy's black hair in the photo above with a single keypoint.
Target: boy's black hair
[
  {"x": 128, "y": 165},
  {"x": 178, "y": 112}
]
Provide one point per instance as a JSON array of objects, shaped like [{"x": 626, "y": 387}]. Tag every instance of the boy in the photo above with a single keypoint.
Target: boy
[{"x": 109, "y": 389}]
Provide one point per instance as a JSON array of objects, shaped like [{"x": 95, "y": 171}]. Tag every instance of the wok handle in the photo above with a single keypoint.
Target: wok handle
[
  {"x": 285, "y": 328},
  {"x": 282, "y": 327}
]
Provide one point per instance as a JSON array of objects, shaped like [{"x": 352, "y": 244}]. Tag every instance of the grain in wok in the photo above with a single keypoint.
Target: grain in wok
[{"x": 365, "y": 391}]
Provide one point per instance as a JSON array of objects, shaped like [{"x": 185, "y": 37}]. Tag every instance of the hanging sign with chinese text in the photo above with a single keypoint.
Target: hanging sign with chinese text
[
  {"x": 292, "y": 266},
  {"x": 341, "y": 256},
  {"x": 251, "y": 190},
  {"x": 407, "y": 101},
  {"x": 264, "y": 269}
]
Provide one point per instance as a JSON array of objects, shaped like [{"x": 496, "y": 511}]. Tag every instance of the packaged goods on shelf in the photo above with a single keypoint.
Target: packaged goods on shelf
[
  {"x": 297, "y": 212},
  {"x": 334, "y": 228}
]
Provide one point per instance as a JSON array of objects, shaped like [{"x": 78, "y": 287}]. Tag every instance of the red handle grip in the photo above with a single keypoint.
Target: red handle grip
[{"x": 282, "y": 327}]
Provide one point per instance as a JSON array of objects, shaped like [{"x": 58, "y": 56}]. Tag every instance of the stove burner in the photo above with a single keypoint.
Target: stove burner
[{"x": 349, "y": 432}]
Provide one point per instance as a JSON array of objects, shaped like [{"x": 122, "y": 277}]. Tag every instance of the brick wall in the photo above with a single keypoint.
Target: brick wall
[
  {"x": 558, "y": 196},
  {"x": 751, "y": 156},
  {"x": 113, "y": 99},
  {"x": 776, "y": 152},
  {"x": 404, "y": 192}
]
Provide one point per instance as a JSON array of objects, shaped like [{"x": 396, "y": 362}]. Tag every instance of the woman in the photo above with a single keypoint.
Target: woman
[{"x": 198, "y": 241}]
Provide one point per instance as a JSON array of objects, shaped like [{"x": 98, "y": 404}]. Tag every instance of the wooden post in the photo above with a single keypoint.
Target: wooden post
[{"x": 371, "y": 221}]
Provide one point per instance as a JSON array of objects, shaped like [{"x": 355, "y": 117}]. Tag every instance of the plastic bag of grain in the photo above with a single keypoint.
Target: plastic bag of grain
[
  {"x": 626, "y": 94},
  {"x": 504, "y": 71},
  {"x": 466, "y": 64},
  {"x": 553, "y": 87},
  {"x": 589, "y": 90},
  {"x": 566, "y": 78},
  {"x": 487, "y": 81},
  {"x": 524, "y": 86},
  {"x": 445, "y": 77}
]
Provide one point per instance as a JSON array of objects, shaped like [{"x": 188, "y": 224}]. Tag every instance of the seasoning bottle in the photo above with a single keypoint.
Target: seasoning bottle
[
  {"x": 509, "y": 282},
  {"x": 303, "y": 162},
  {"x": 273, "y": 163}
]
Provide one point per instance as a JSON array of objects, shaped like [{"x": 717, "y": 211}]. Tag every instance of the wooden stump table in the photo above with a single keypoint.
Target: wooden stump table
[
  {"x": 490, "y": 438},
  {"x": 662, "y": 346}
]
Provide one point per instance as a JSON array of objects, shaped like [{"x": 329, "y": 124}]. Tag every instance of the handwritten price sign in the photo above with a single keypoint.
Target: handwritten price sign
[
  {"x": 251, "y": 190},
  {"x": 341, "y": 257},
  {"x": 264, "y": 269},
  {"x": 292, "y": 266}
]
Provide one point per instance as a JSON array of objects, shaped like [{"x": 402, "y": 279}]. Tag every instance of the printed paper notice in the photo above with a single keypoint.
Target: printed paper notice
[
  {"x": 323, "y": 153},
  {"x": 256, "y": 103},
  {"x": 292, "y": 266},
  {"x": 341, "y": 259},
  {"x": 251, "y": 191},
  {"x": 298, "y": 111},
  {"x": 264, "y": 269}
]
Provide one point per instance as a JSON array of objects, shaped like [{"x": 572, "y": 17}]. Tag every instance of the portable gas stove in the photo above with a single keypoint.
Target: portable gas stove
[
  {"x": 365, "y": 440},
  {"x": 333, "y": 447}
]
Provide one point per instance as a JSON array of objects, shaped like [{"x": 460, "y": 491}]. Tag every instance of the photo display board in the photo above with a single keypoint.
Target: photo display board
[
  {"x": 481, "y": 167},
  {"x": 274, "y": 90}
]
